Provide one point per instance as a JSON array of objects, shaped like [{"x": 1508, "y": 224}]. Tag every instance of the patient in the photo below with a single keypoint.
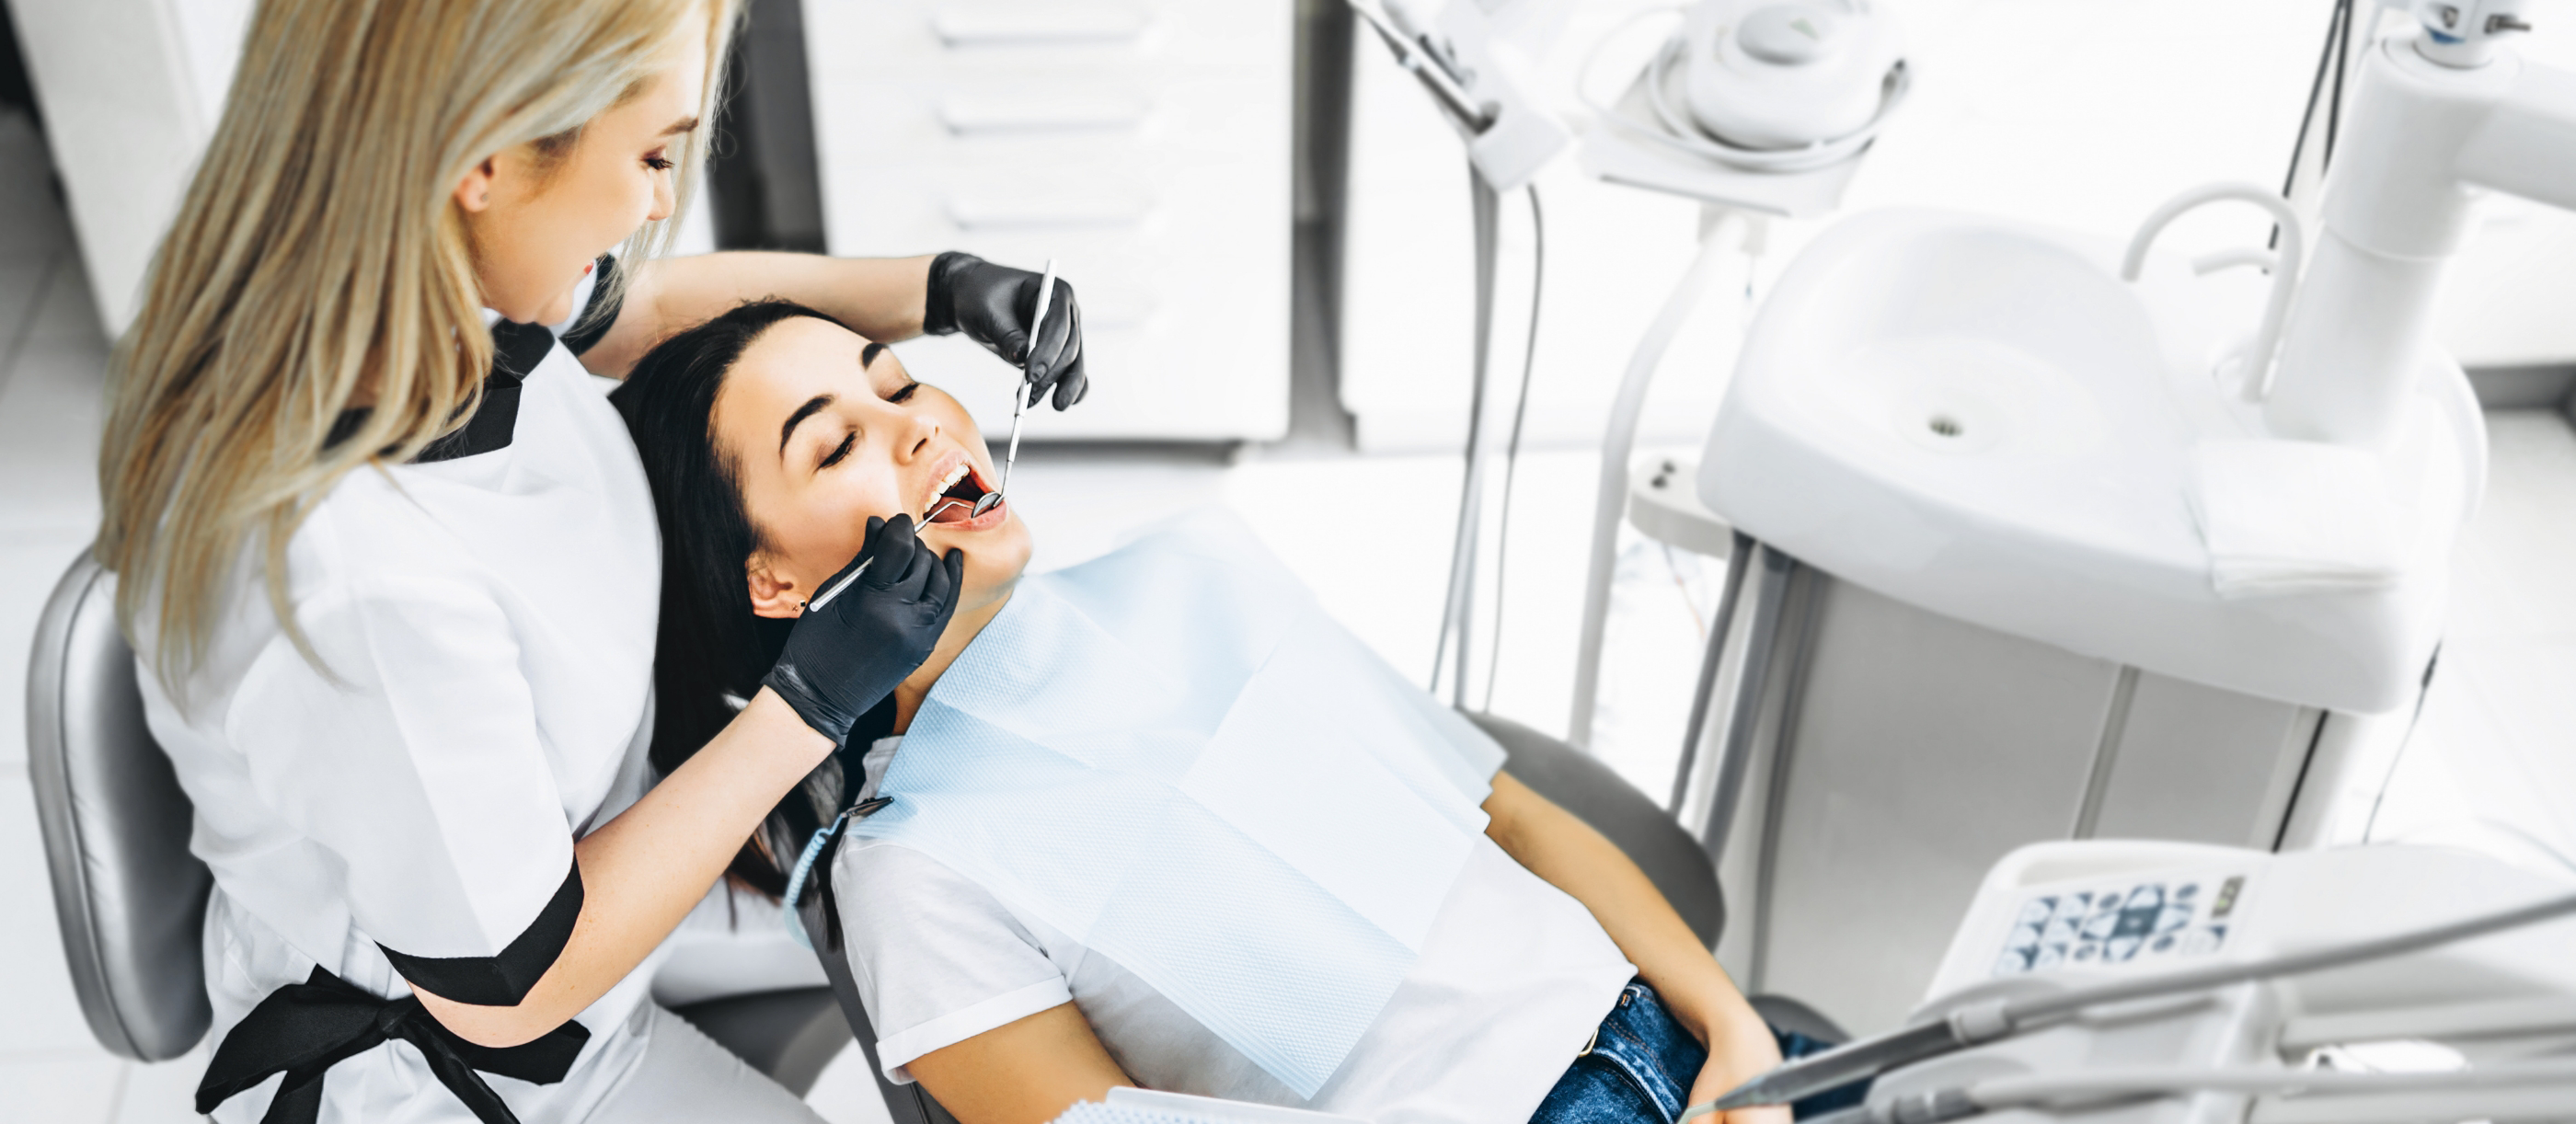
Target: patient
[{"x": 1553, "y": 983}]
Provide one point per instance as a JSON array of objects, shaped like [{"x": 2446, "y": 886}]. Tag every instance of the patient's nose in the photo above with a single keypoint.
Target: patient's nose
[{"x": 917, "y": 437}]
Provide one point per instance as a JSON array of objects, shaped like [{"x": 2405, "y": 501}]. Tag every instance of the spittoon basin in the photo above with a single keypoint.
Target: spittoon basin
[{"x": 1980, "y": 418}]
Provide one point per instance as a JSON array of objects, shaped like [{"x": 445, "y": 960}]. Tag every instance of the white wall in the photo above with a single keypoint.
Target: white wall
[
  {"x": 2077, "y": 113},
  {"x": 129, "y": 91}
]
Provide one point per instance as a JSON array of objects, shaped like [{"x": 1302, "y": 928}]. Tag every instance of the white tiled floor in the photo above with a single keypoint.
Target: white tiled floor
[{"x": 2494, "y": 764}]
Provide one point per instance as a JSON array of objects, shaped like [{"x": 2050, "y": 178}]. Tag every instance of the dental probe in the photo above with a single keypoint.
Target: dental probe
[
  {"x": 838, "y": 586},
  {"x": 1019, "y": 395}
]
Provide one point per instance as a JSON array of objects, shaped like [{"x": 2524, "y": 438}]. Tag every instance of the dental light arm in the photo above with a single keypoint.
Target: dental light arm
[
  {"x": 1474, "y": 65},
  {"x": 2440, "y": 111},
  {"x": 1418, "y": 60},
  {"x": 1997, "y": 1019},
  {"x": 1475, "y": 60}
]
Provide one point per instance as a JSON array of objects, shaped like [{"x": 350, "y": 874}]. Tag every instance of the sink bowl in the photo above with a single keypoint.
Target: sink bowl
[{"x": 1981, "y": 418}]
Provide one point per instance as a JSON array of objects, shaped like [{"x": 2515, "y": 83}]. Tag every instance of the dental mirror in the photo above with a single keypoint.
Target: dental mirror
[{"x": 1020, "y": 395}]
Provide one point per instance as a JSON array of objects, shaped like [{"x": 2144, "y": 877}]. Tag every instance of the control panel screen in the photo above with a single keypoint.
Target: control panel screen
[{"x": 2120, "y": 924}]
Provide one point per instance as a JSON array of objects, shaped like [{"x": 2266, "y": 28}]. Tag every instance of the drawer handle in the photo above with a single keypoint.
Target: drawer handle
[
  {"x": 989, "y": 25},
  {"x": 986, "y": 212},
  {"x": 965, "y": 114}
]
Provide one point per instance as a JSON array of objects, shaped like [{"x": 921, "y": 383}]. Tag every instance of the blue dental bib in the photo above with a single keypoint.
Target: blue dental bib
[{"x": 1175, "y": 757}]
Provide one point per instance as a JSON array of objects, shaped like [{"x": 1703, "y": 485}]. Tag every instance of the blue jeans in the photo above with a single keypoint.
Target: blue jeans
[{"x": 1641, "y": 1063}]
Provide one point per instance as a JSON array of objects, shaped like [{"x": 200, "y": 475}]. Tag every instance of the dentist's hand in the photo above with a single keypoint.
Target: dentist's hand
[
  {"x": 993, "y": 305},
  {"x": 870, "y": 629}
]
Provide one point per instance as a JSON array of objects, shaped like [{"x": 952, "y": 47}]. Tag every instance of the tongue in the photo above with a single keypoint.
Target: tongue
[{"x": 954, "y": 509}]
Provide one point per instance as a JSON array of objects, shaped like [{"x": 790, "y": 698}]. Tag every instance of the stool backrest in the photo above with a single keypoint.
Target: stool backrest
[{"x": 130, "y": 898}]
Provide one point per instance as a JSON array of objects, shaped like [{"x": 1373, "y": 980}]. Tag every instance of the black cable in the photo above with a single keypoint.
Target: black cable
[
  {"x": 1512, "y": 450},
  {"x": 2326, "y": 58}
]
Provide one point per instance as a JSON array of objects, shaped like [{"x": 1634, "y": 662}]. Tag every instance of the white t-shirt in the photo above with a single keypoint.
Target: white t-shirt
[
  {"x": 1512, "y": 981},
  {"x": 488, "y": 624}
]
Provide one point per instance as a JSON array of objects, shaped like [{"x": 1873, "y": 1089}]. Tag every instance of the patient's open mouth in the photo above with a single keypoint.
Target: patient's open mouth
[{"x": 957, "y": 496}]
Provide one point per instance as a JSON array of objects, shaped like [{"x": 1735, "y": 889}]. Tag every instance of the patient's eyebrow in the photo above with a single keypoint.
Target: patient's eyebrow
[
  {"x": 811, "y": 407},
  {"x": 868, "y": 354}
]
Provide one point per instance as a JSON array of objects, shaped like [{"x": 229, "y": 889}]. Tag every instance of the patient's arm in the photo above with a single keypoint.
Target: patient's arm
[
  {"x": 1571, "y": 856},
  {"x": 1026, "y": 1071}
]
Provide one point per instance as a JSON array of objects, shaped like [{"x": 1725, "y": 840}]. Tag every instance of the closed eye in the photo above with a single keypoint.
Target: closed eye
[
  {"x": 904, "y": 393},
  {"x": 842, "y": 452}
]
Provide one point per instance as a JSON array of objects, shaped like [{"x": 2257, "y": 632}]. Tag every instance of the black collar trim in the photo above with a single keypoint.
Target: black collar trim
[{"x": 516, "y": 350}]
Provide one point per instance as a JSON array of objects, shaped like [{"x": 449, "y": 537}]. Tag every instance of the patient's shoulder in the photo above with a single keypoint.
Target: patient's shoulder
[
  {"x": 935, "y": 955},
  {"x": 901, "y": 895},
  {"x": 887, "y": 869},
  {"x": 892, "y": 864}
]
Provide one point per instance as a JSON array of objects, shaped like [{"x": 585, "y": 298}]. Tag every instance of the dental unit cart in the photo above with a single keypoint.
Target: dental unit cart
[
  {"x": 1993, "y": 576},
  {"x": 2167, "y": 983}
]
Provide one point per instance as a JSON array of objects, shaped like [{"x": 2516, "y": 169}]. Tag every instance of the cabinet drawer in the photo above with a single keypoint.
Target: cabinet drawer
[
  {"x": 1142, "y": 144},
  {"x": 1047, "y": 123},
  {"x": 901, "y": 37}
]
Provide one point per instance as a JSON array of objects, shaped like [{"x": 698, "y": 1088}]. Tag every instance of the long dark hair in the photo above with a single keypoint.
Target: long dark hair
[{"x": 711, "y": 651}]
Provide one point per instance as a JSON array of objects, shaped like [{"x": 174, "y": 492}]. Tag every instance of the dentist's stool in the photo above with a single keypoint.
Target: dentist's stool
[{"x": 131, "y": 900}]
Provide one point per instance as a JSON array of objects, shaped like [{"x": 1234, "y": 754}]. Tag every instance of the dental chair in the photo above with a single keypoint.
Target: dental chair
[
  {"x": 1671, "y": 858},
  {"x": 131, "y": 899}
]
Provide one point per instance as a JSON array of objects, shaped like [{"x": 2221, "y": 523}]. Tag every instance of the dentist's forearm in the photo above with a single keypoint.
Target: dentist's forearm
[
  {"x": 880, "y": 298},
  {"x": 646, "y": 869}
]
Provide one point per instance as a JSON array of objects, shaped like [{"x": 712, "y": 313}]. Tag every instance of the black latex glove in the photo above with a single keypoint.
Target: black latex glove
[
  {"x": 845, "y": 657},
  {"x": 993, "y": 305}
]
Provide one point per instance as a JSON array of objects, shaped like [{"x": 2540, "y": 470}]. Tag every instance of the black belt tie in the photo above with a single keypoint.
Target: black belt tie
[{"x": 303, "y": 1029}]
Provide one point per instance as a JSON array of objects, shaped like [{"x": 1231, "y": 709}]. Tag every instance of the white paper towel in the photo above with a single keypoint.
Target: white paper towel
[{"x": 2283, "y": 518}]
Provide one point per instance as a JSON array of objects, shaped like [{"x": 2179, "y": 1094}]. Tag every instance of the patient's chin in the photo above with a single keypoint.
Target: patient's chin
[
  {"x": 995, "y": 559},
  {"x": 985, "y": 596}
]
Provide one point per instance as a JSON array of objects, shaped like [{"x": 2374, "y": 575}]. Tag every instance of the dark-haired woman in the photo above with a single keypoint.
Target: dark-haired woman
[
  {"x": 1549, "y": 980},
  {"x": 390, "y": 564}
]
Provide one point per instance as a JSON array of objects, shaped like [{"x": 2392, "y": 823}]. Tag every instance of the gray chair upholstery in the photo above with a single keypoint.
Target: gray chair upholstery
[
  {"x": 789, "y": 1035},
  {"x": 906, "y": 1104},
  {"x": 1589, "y": 789},
  {"x": 131, "y": 899},
  {"x": 1671, "y": 858},
  {"x": 1581, "y": 784}
]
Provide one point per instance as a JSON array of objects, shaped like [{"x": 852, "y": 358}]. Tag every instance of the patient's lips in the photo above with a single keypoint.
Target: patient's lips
[
  {"x": 956, "y": 517},
  {"x": 953, "y": 507}
]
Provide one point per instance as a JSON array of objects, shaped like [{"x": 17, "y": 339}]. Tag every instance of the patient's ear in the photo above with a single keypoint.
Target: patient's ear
[{"x": 772, "y": 595}]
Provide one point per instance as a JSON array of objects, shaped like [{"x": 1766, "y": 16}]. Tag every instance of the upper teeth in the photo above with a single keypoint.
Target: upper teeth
[{"x": 946, "y": 482}]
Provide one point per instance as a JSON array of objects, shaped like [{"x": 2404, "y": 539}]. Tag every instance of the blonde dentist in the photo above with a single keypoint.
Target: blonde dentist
[{"x": 391, "y": 569}]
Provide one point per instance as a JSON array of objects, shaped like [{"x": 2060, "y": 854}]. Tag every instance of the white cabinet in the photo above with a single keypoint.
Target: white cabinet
[{"x": 1143, "y": 144}]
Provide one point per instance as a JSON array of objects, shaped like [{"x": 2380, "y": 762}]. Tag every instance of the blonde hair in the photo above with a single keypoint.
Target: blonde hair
[{"x": 319, "y": 256}]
